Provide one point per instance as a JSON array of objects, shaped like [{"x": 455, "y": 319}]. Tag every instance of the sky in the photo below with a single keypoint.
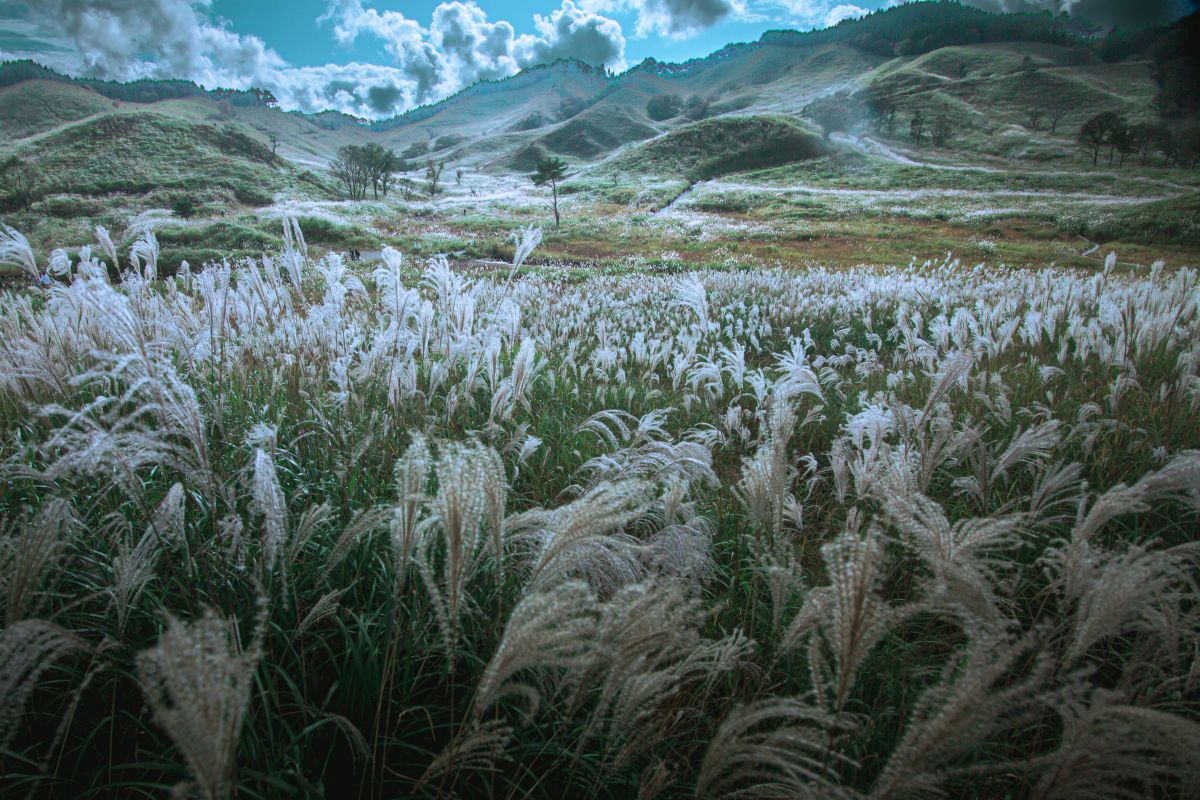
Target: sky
[{"x": 377, "y": 58}]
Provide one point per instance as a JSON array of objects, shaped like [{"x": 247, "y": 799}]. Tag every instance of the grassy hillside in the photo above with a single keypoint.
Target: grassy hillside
[
  {"x": 140, "y": 153},
  {"x": 34, "y": 107},
  {"x": 719, "y": 146}
]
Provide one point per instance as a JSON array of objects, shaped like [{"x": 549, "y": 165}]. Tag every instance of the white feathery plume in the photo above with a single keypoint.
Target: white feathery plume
[
  {"x": 27, "y": 649},
  {"x": 197, "y": 679},
  {"x": 15, "y": 250},
  {"x": 107, "y": 247},
  {"x": 780, "y": 747}
]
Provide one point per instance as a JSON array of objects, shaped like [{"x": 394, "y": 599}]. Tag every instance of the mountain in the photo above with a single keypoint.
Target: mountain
[{"x": 983, "y": 71}]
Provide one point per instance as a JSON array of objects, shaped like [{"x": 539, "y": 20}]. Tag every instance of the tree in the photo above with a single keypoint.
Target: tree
[
  {"x": 21, "y": 181},
  {"x": 350, "y": 169},
  {"x": 664, "y": 106},
  {"x": 696, "y": 108},
  {"x": 881, "y": 110},
  {"x": 379, "y": 164},
  {"x": 1097, "y": 132},
  {"x": 274, "y": 140},
  {"x": 917, "y": 126},
  {"x": 941, "y": 130},
  {"x": 184, "y": 208},
  {"x": 1034, "y": 117},
  {"x": 549, "y": 172},
  {"x": 1186, "y": 140},
  {"x": 1124, "y": 140},
  {"x": 458, "y": 176},
  {"x": 1055, "y": 112},
  {"x": 433, "y": 176},
  {"x": 835, "y": 112}
]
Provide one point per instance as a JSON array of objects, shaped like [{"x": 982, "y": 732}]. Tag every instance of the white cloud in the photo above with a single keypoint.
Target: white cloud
[
  {"x": 130, "y": 39},
  {"x": 462, "y": 46},
  {"x": 817, "y": 13},
  {"x": 841, "y": 12},
  {"x": 571, "y": 31},
  {"x": 677, "y": 19}
]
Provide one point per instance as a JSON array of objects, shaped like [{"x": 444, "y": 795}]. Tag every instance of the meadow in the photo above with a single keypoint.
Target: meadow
[{"x": 289, "y": 526}]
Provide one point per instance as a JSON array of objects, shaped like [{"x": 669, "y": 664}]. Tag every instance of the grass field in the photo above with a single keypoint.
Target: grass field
[{"x": 292, "y": 528}]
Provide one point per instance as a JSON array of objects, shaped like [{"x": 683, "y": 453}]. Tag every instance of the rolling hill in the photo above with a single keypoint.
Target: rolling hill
[{"x": 982, "y": 71}]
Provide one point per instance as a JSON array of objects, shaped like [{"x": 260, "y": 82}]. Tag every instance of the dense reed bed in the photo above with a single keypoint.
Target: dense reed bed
[{"x": 281, "y": 529}]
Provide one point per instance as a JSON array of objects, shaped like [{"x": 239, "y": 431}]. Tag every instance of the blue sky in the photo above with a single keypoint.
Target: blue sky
[
  {"x": 301, "y": 39},
  {"x": 376, "y": 58}
]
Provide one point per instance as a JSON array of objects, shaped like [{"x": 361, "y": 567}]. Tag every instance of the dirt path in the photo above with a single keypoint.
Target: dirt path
[{"x": 934, "y": 194}]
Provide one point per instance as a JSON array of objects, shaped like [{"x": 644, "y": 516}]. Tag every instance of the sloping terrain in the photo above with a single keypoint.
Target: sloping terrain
[
  {"x": 722, "y": 145},
  {"x": 34, "y": 107},
  {"x": 985, "y": 73},
  {"x": 138, "y": 153}
]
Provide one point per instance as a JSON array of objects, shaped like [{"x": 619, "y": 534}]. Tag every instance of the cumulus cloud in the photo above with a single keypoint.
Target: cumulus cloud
[
  {"x": 130, "y": 39},
  {"x": 114, "y": 38},
  {"x": 677, "y": 19},
  {"x": 841, "y": 12},
  {"x": 461, "y": 45},
  {"x": 571, "y": 31},
  {"x": 682, "y": 18}
]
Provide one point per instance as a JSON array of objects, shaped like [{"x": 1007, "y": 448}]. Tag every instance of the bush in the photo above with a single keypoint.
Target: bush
[
  {"x": 70, "y": 207},
  {"x": 664, "y": 107}
]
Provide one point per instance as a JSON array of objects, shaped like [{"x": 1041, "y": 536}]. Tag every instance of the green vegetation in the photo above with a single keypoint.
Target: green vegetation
[
  {"x": 713, "y": 147},
  {"x": 881, "y": 532},
  {"x": 134, "y": 154}
]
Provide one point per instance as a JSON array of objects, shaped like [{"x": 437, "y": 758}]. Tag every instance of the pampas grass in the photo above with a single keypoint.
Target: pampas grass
[{"x": 914, "y": 532}]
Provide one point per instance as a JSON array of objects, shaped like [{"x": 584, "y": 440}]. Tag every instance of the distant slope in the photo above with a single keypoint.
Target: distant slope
[
  {"x": 983, "y": 71},
  {"x": 145, "y": 152},
  {"x": 37, "y": 106},
  {"x": 719, "y": 146}
]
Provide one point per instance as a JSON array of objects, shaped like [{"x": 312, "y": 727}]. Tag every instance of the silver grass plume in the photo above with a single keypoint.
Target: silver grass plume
[
  {"x": 153, "y": 418},
  {"x": 547, "y": 633},
  {"x": 133, "y": 568},
  {"x": 452, "y": 533},
  {"x": 647, "y": 655},
  {"x": 146, "y": 249},
  {"x": 361, "y": 526},
  {"x": 980, "y": 696},
  {"x": 412, "y": 480},
  {"x": 691, "y": 295},
  {"x": 585, "y": 538},
  {"x": 525, "y": 241},
  {"x": 197, "y": 679},
  {"x": 477, "y": 748},
  {"x": 107, "y": 247},
  {"x": 1180, "y": 476},
  {"x": 765, "y": 489},
  {"x": 15, "y": 250},
  {"x": 29, "y": 552},
  {"x": 849, "y": 615},
  {"x": 1113, "y": 751},
  {"x": 27, "y": 649},
  {"x": 268, "y": 501},
  {"x": 1128, "y": 591},
  {"x": 59, "y": 264},
  {"x": 957, "y": 554},
  {"x": 780, "y": 747}
]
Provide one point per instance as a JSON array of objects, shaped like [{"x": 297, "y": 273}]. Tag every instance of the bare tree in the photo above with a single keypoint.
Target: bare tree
[
  {"x": 916, "y": 128},
  {"x": 20, "y": 180},
  {"x": 433, "y": 176},
  {"x": 941, "y": 130},
  {"x": 549, "y": 173}
]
